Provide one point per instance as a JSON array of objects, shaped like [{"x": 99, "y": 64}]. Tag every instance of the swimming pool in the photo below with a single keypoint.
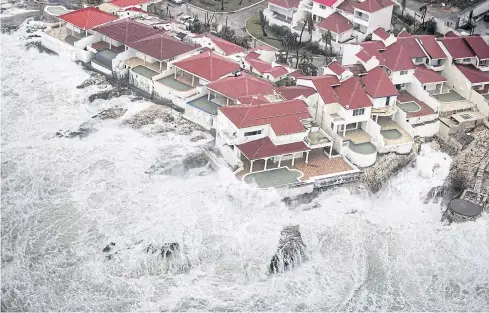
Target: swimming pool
[
  {"x": 409, "y": 106},
  {"x": 391, "y": 134},
  {"x": 363, "y": 148}
]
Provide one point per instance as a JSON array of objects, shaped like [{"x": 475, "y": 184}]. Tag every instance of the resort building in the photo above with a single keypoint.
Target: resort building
[
  {"x": 220, "y": 46},
  {"x": 347, "y": 20},
  {"x": 74, "y": 32},
  {"x": 277, "y": 144},
  {"x": 120, "y": 5}
]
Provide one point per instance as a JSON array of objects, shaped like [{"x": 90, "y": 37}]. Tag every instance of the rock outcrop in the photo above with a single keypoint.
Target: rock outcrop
[
  {"x": 83, "y": 131},
  {"x": 290, "y": 252},
  {"x": 149, "y": 116},
  {"x": 110, "y": 113},
  {"x": 385, "y": 167}
]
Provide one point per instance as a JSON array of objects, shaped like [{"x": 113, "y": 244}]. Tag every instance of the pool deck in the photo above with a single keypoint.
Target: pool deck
[
  {"x": 357, "y": 136},
  {"x": 405, "y": 97},
  {"x": 173, "y": 83},
  {"x": 205, "y": 105},
  {"x": 319, "y": 165},
  {"x": 144, "y": 71},
  {"x": 273, "y": 178},
  {"x": 388, "y": 124},
  {"x": 133, "y": 62},
  {"x": 448, "y": 97}
]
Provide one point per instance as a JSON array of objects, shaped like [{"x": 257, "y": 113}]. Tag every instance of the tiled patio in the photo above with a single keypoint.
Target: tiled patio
[
  {"x": 356, "y": 136},
  {"x": 171, "y": 82},
  {"x": 319, "y": 165}
]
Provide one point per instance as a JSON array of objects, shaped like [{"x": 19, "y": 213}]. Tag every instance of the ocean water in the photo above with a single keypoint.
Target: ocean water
[{"x": 63, "y": 200}]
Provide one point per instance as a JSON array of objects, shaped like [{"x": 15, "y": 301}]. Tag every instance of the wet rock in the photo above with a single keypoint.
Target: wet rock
[
  {"x": 384, "y": 168},
  {"x": 106, "y": 249},
  {"x": 95, "y": 79},
  {"x": 434, "y": 194},
  {"x": 290, "y": 252},
  {"x": 109, "y": 257},
  {"x": 109, "y": 94},
  {"x": 176, "y": 167},
  {"x": 167, "y": 250},
  {"x": 83, "y": 131},
  {"x": 198, "y": 137},
  {"x": 195, "y": 160},
  {"x": 35, "y": 44},
  {"x": 110, "y": 113},
  {"x": 149, "y": 116}
]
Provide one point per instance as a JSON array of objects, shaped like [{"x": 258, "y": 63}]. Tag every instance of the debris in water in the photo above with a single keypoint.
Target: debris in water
[{"x": 83, "y": 131}]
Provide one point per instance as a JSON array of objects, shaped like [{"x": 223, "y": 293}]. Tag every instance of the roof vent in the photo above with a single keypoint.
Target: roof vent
[
  {"x": 347, "y": 107},
  {"x": 237, "y": 73}
]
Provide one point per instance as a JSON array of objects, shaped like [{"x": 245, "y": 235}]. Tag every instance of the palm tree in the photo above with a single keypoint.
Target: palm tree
[
  {"x": 263, "y": 22},
  {"x": 403, "y": 6},
  {"x": 222, "y": 5},
  {"x": 327, "y": 37},
  {"x": 289, "y": 40},
  {"x": 308, "y": 21},
  {"x": 423, "y": 10}
]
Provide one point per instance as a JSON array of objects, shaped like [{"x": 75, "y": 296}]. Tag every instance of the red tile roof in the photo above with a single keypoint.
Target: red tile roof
[
  {"x": 328, "y": 3},
  {"x": 162, "y": 47},
  {"x": 336, "y": 23},
  {"x": 292, "y": 92},
  {"x": 264, "y": 148},
  {"x": 427, "y": 76},
  {"x": 473, "y": 74},
  {"x": 226, "y": 46},
  {"x": 260, "y": 65},
  {"x": 457, "y": 47},
  {"x": 207, "y": 65},
  {"x": 411, "y": 47},
  {"x": 127, "y": 3},
  {"x": 336, "y": 68},
  {"x": 323, "y": 85},
  {"x": 397, "y": 58},
  {"x": 432, "y": 47},
  {"x": 277, "y": 71},
  {"x": 371, "y": 48},
  {"x": 126, "y": 30},
  {"x": 252, "y": 100},
  {"x": 137, "y": 10},
  {"x": 404, "y": 34},
  {"x": 286, "y": 3},
  {"x": 407, "y": 97},
  {"x": 240, "y": 86},
  {"x": 367, "y": 5},
  {"x": 296, "y": 74},
  {"x": 351, "y": 94},
  {"x": 381, "y": 33},
  {"x": 253, "y": 55},
  {"x": 283, "y": 117},
  {"x": 88, "y": 18},
  {"x": 451, "y": 34},
  {"x": 478, "y": 45},
  {"x": 378, "y": 84}
]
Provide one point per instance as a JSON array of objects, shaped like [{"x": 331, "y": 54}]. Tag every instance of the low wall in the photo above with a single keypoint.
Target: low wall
[
  {"x": 426, "y": 130},
  {"x": 361, "y": 160},
  {"x": 227, "y": 153},
  {"x": 480, "y": 102},
  {"x": 101, "y": 68},
  {"x": 141, "y": 82},
  {"x": 400, "y": 117},
  {"x": 199, "y": 117},
  {"x": 60, "y": 47}
]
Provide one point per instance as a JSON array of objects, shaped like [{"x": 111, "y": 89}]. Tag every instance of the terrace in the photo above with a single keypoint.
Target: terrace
[
  {"x": 66, "y": 35},
  {"x": 102, "y": 45},
  {"x": 393, "y": 133},
  {"x": 318, "y": 165},
  {"x": 204, "y": 104},
  {"x": 157, "y": 67},
  {"x": 174, "y": 84}
]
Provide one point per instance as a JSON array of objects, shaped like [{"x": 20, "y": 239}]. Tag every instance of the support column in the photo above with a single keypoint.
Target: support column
[
  {"x": 266, "y": 161},
  {"x": 330, "y": 150},
  {"x": 161, "y": 64},
  {"x": 251, "y": 165},
  {"x": 110, "y": 43},
  {"x": 72, "y": 30},
  {"x": 307, "y": 157},
  {"x": 279, "y": 160},
  {"x": 208, "y": 95},
  {"x": 193, "y": 79},
  {"x": 376, "y": 119},
  {"x": 175, "y": 76},
  {"x": 145, "y": 59},
  {"x": 227, "y": 101},
  {"x": 293, "y": 158},
  {"x": 344, "y": 130}
]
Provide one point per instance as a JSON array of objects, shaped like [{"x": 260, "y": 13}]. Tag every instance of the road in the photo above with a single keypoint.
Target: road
[{"x": 235, "y": 20}]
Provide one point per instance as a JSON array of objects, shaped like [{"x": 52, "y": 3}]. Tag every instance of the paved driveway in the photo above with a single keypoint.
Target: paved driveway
[{"x": 235, "y": 20}]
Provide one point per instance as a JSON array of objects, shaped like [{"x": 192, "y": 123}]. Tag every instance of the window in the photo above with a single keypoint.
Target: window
[
  {"x": 466, "y": 60},
  {"x": 358, "y": 112},
  {"x": 322, "y": 7},
  {"x": 253, "y": 133},
  {"x": 404, "y": 72},
  {"x": 418, "y": 60}
]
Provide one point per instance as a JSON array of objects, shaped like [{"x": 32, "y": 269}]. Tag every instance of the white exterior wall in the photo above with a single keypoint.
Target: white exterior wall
[
  {"x": 360, "y": 159},
  {"x": 416, "y": 89},
  {"x": 382, "y": 102},
  {"x": 323, "y": 13},
  {"x": 400, "y": 117},
  {"x": 426, "y": 130},
  {"x": 348, "y": 115},
  {"x": 349, "y": 51},
  {"x": 381, "y": 18},
  {"x": 142, "y": 56},
  {"x": 397, "y": 78},
  {"x": 141, "y": 82},
  {"x": 286, "y": 139},
  {"x": 62, "y": 48}
]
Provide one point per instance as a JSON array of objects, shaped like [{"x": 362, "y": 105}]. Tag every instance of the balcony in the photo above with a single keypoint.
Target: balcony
[
  {"x": 317, "y": 138},
  {"x": 363, "y": 17}
]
